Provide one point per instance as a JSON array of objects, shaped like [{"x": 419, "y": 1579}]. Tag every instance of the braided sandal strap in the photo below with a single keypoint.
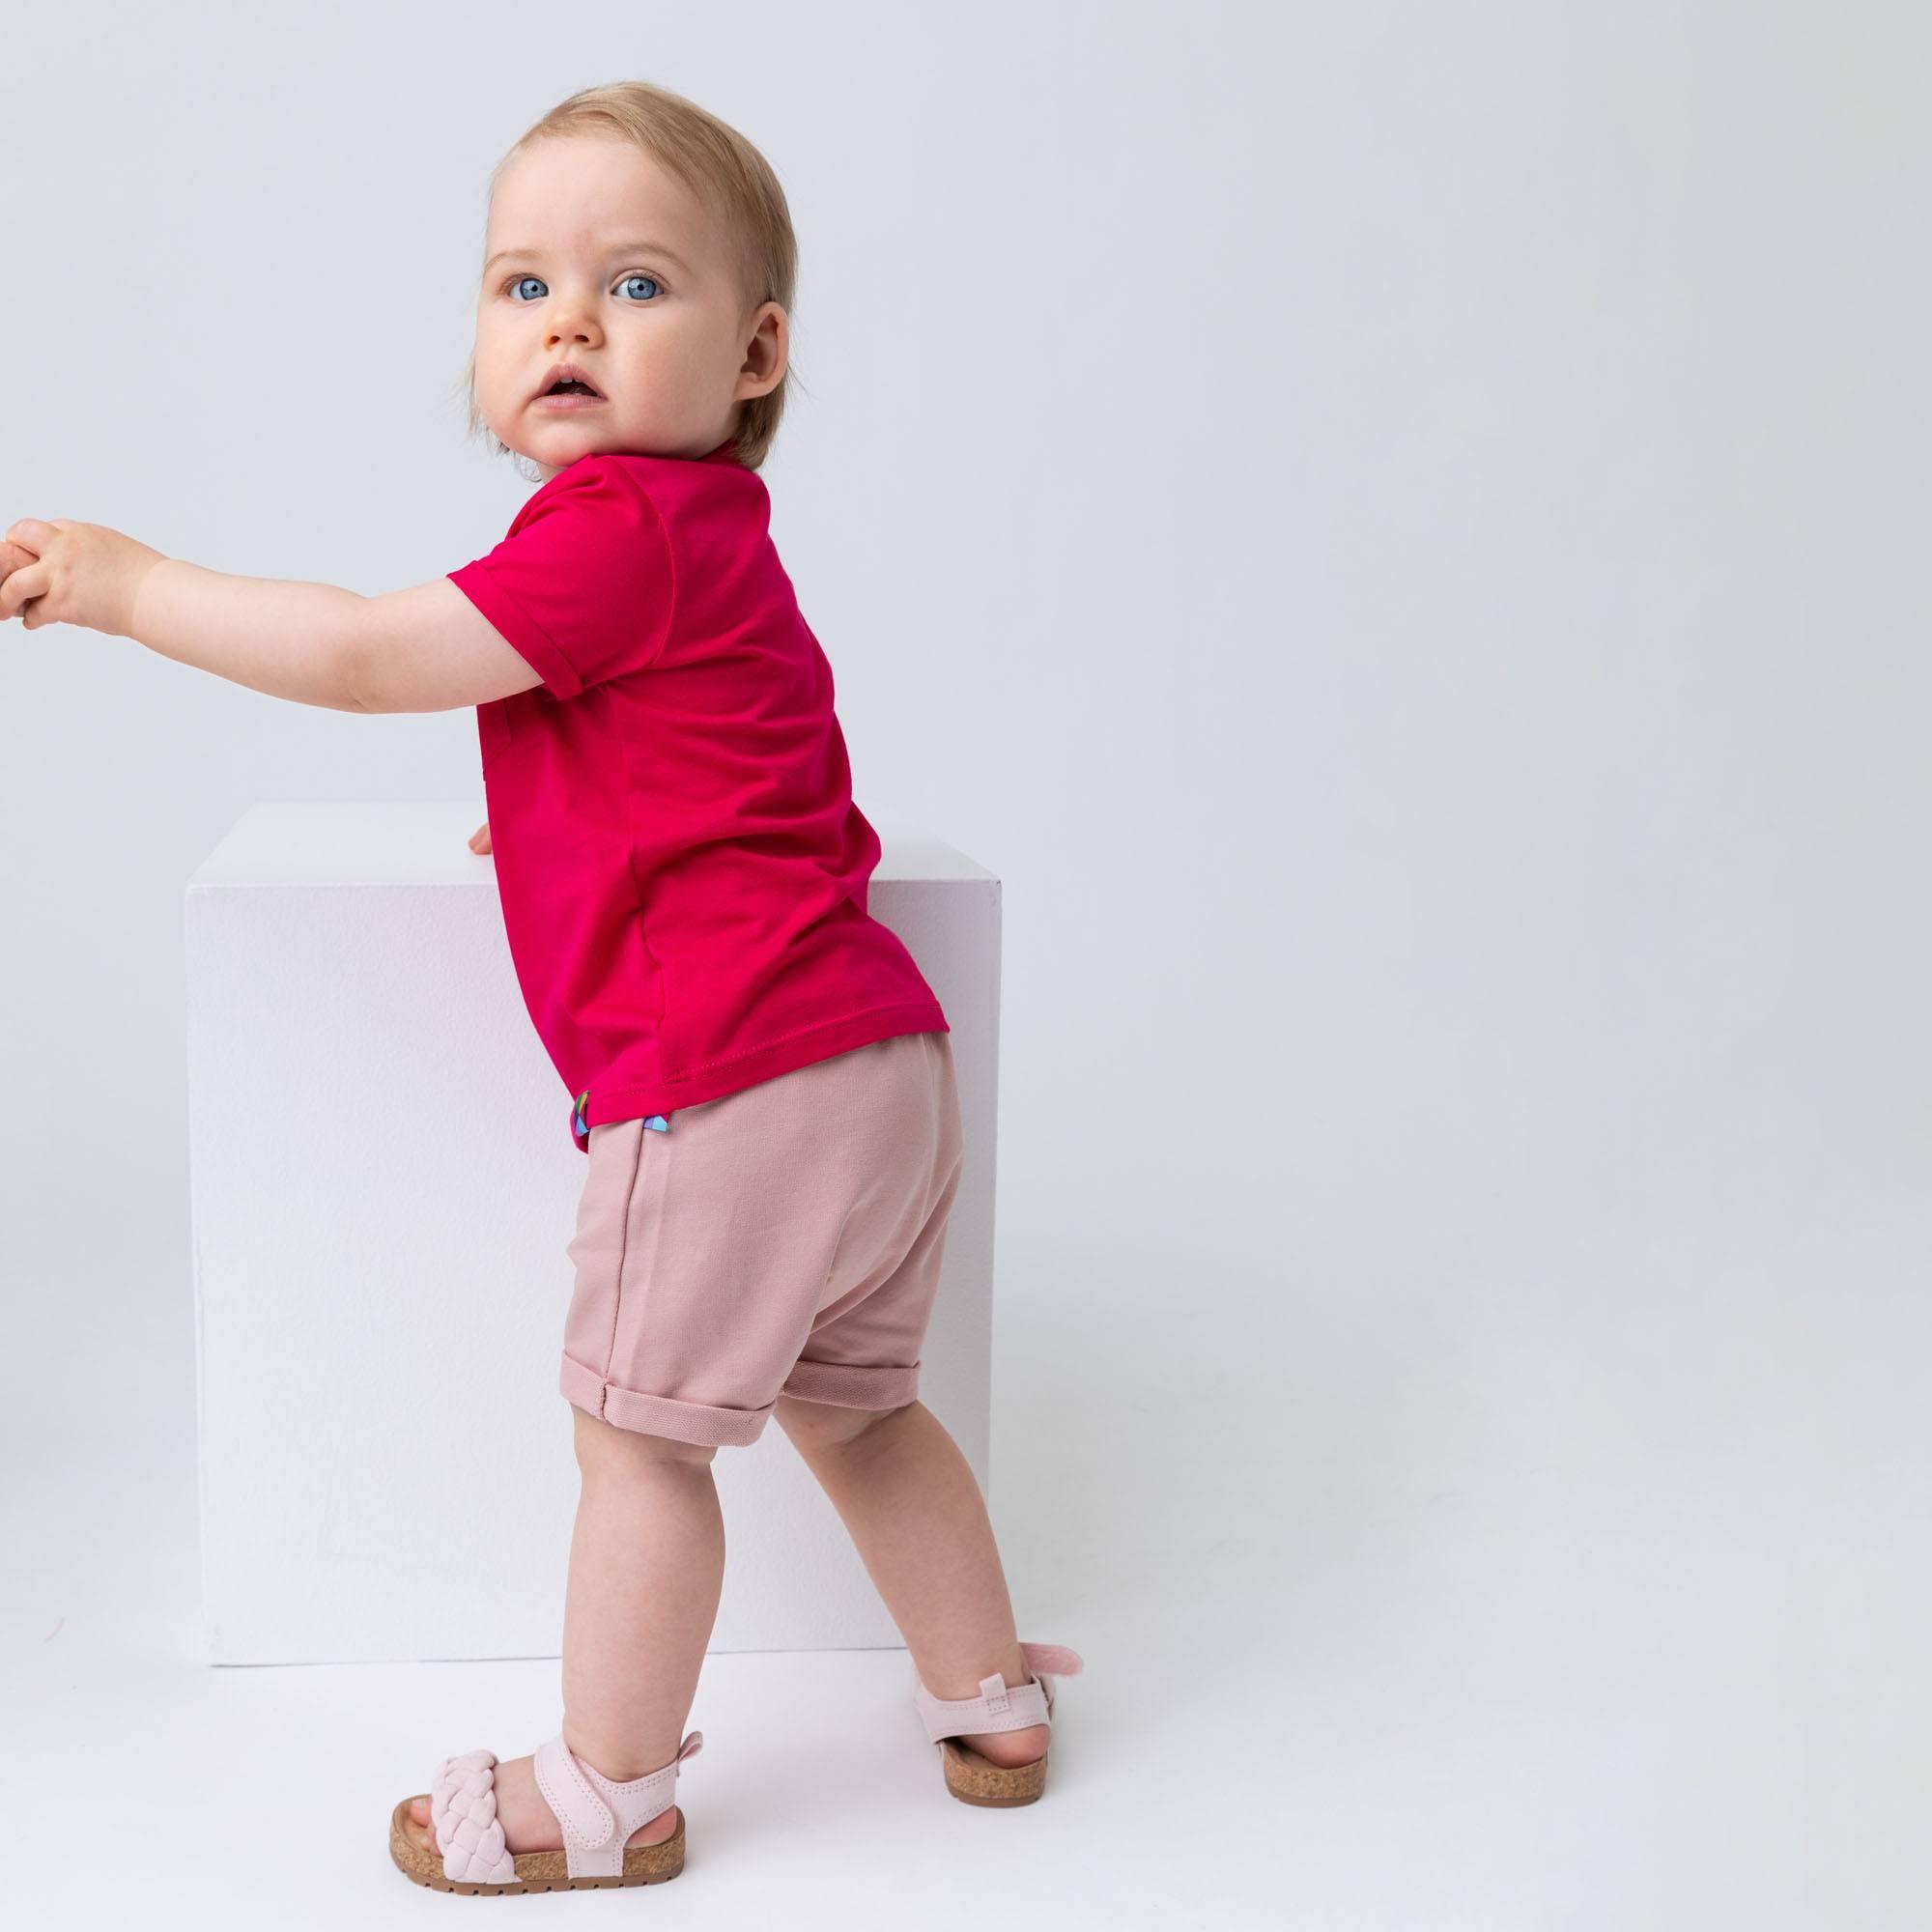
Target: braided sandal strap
[
  {"x": 463, "y": 1811},
  {"x": 1000, "y": 1706}
]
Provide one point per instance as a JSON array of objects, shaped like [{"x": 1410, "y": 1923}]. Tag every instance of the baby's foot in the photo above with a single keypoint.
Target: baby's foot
[
  {"x": 528, "y": 1823},
  {"x": 1008, "y": 1748}
]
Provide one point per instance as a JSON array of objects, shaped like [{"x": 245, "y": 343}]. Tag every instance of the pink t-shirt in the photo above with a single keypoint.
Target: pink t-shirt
[{"x": 681, "y": 865}]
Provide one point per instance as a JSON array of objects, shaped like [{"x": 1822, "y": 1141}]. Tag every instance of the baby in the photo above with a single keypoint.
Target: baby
[{"x": 759, "y": 1076}]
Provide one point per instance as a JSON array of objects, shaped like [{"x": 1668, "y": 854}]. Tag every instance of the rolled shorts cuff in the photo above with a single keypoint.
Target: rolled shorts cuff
[
  {"x": 851, "y": 1384},
  {"x": 704, "y": 1423}
]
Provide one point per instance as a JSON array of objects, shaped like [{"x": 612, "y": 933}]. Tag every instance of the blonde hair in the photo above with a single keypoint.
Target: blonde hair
[{"x": 732, "y": 181}]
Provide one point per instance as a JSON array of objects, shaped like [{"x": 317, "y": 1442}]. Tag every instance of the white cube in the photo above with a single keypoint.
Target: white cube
[{"x": 384, "y": 1185}]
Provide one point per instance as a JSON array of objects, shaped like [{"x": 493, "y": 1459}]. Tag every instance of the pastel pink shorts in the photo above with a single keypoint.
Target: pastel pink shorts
[{"x": 783, "y": 1239}]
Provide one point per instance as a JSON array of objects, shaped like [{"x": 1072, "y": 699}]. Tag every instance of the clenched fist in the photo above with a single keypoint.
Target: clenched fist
[{"x": 479, "y": 839}]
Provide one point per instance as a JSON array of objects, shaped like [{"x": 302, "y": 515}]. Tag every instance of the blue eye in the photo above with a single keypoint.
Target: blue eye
[{"x": 517, "y": 281}]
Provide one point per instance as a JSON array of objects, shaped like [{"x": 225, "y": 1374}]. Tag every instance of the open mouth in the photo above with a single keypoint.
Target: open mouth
[{"x": 571, "y": 387}]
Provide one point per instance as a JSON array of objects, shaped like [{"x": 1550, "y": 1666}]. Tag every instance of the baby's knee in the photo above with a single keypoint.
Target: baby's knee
[
  {"x": 602, "y": 1447},
  {"x": 828, "y": 1425}
]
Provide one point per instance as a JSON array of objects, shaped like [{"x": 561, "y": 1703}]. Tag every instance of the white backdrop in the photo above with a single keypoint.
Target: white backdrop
[{"x": 1398, "y": 532}]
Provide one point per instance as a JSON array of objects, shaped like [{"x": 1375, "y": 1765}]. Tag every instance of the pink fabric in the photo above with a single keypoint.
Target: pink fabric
[
  {"x": 463, "y": 1815},
  {"x": 999, "y": 1706},
  {"x": 682, "y": 868},
  {"x": 787, "y": 1239}
]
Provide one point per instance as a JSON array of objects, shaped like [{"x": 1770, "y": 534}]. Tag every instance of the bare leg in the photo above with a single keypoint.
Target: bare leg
[
  {"x": 909, "y": 1499},
  {"x": 646, "y": 1571}
]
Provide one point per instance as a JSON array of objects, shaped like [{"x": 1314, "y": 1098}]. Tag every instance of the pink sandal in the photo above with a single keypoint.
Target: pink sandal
[
  {"x": 596, "y": 1813},
  {"x": 999, "y": 1707}
]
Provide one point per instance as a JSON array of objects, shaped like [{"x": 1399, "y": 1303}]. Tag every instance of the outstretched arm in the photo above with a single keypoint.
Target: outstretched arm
[
  {"x": 289, "y": 639},
  {"x": 426, "y": 648}
]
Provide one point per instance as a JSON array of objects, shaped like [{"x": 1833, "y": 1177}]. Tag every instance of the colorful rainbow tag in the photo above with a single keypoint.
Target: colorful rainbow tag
[{"x": 657, "y": 1122}]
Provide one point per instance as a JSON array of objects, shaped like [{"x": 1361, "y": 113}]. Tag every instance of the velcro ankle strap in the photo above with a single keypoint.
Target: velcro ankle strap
[
  {"x": 596, "y": 1813},
  {"x": 1000, "y": 1706}
]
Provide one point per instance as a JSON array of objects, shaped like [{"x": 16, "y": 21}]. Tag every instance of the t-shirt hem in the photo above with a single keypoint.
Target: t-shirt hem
[{"x": 720, "y": 1077}]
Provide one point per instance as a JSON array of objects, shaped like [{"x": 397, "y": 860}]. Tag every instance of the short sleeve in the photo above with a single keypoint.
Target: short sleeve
[{"x": 583, "y": 587}]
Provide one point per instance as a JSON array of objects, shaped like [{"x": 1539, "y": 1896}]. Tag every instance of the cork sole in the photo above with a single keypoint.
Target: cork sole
[
  {"x": 536, "y": 1871},
  {"x": 974, "y": 1779}
]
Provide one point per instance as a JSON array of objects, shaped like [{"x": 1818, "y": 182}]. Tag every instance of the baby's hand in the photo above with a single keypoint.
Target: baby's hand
[
  {"x": 479, "y": 839},
  {"x": 12, "y": 559},
  {"x": 62, "y": 571}
]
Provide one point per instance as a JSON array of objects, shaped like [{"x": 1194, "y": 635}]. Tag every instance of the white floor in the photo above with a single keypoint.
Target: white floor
[{"x": 1403, "y": 1628}]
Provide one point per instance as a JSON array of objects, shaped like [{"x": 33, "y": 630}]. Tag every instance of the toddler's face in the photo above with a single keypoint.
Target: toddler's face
[{"x": 598, "y": 256}]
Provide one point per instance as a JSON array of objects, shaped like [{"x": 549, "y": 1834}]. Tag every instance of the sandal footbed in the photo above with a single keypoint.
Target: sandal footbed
[
  {"x": 536, "y": 1871},
  {"x": 978, "y": 1780}
]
